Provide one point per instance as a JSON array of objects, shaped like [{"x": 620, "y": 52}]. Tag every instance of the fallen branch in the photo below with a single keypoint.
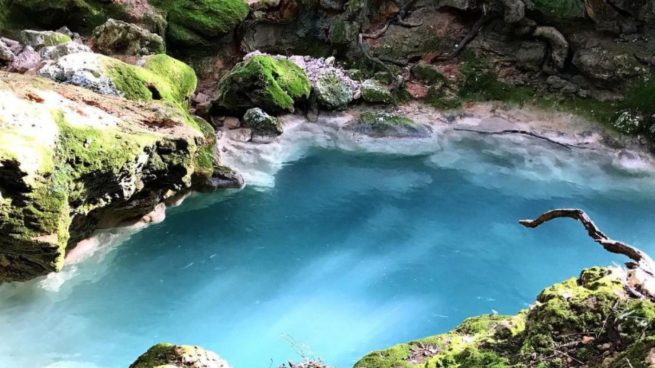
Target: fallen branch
[{"x": 641, "y": 259}]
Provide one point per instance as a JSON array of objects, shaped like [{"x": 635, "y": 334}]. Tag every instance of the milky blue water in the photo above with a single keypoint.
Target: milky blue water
[{"x": 347, "y": 253}]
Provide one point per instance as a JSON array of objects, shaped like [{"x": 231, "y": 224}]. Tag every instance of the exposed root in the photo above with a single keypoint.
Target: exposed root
[{"x": 470, "y": 36}]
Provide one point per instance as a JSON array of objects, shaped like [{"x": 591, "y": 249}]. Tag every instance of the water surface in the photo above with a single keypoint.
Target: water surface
[{"x": 347, "y": 253}]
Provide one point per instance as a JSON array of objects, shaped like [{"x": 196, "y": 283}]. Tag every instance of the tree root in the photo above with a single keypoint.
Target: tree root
[
  {"x": 640, "y": 259},
  {"x": 470, "y": 36}
]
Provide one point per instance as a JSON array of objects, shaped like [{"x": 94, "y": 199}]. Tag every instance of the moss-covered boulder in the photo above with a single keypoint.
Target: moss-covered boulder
[
  {"x": 159, "y": 78},
  {"x": 72, "y": 161},
  {"x": 39, "y": 39},
  {"x": 589, "y": 321},
  {"x": 375, "y": 92},
  {"x": 333, "y": 92},
  {"x": 382, "y": 125},
  {"x": 263, "y": 81},
  {"x": 261, "y": 123},
  {"x": 166, "y": 355},
  {"x": 199, "y": 22}
]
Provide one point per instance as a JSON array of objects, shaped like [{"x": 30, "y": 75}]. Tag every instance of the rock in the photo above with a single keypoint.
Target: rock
[
  {"x": 99, "y": 160},
  {"x": 263, "y": 4},
  {"x": 560, "y": 84},
  {"x": 374, "y": 92},
  {"x": 39, "y": 39},
  {"x": 607, "y": 66},
  {"x": 6, "y": 55},
  {"x": 68, "y": 48},
  {"x": 118, "y": 37},
  {"x": 563, "y": 315},
  {"x": 332, "y": 92},
  {"x": 417, "y": 90},
  {"x": 199, "y": 22},
  {"x": 384, "y": 125},
  {"x": 263, "y": 81},
  {"x": 27, "y": 60},
  {"x": 13, "y": 45},
  {"x": 179, "y": 356},
  {"x": 261, "y": 123},
  {"x": 514, "y": 10},
  {"x": 559, "y": 47},
  {"x": 342, "y": 32},
  {"x": 427, "y": 73},
  {"x": 160, "y": 78}
]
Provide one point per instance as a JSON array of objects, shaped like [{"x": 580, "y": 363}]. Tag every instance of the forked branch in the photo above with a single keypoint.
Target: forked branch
[{"x": 641, "y": 259}]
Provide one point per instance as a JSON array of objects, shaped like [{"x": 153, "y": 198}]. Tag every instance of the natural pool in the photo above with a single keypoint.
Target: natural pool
[{"x": 346, "y": 253}]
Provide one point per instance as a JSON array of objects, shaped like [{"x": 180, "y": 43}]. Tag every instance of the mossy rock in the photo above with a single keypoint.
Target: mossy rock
[
  {"x": 375, "y": 92},
  {"x": 381, "y": 125},
  {"x": 578, "y": 318},
  {"x": 167, "y": 355},
  {"x": 263, "y": 81},
  {"x": 262, "y": 123},
  {"x": 39, "y": 39},
  {"x": 333, "y": 92},
  {"x": 198, "y": 22}
]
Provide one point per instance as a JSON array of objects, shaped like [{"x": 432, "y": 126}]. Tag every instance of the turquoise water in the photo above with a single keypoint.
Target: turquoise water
[{"x": 347, "y": 253}]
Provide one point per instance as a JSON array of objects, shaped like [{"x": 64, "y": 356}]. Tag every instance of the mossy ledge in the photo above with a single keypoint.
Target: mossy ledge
[
  {"x": 589, "y": 321},
  {"x": 73, "y": 161}
]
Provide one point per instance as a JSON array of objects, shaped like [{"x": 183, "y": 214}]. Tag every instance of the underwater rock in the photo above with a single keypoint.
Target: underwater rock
[
  {"x": 261, "y": 123},
  {"x": 589, "y": 321},
  {"x": 179, "y": 356},
  {"x": 118, "y": 37},
  {"x": 263, "y": 81},
  {"x": 375, "y": 92}
]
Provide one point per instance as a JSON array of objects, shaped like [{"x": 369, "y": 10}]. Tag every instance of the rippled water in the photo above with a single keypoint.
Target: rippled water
[{"x": 345, "y": 254}]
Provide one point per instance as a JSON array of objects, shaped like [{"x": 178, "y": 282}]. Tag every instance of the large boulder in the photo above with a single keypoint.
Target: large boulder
[
  {"x": 159, "y": 78},
  {"x": 589, "y": 321},
  {"x": 179, "y": 356},
  {"x": 118, "y": 37},
  {"x": 73, "y": 161},
  {"x": 199, "y": 22},
  {"x": 333, "y": 92},
  {"x": 273, "y": 84}
]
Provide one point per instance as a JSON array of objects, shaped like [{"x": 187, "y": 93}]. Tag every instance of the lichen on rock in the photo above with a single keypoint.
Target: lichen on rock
[
  {"x": 589, "y": 321},
  {"x": 381, "y": 125}
]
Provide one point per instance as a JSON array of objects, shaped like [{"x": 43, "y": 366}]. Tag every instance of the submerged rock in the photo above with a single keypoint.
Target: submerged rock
[
  {"x": 586, "y": 322},
  {"x": 179, "y": 356},
  {"x": 263, "y": 81},
  {"x": 381, "y": 125},
  {"x": 72, "y": 161},
  {"x": 118, "y": 37}
]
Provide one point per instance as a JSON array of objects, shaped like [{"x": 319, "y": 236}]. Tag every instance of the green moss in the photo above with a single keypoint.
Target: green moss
[
  {"x": 636, "y": 355},
  {"x": 375, "y": 92},
  {"x": 192, "y": 22},
  {"x": 561, "y": 8},
  {"x": 263, "y": 81},
  {"x": 81, "y": 15},
  {"x": 161, "y": 78}
]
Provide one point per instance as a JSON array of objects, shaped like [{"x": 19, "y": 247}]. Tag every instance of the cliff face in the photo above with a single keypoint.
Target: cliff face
[
  {"x": 589, "y": 321},
  {"x": 72, "y": 161}
]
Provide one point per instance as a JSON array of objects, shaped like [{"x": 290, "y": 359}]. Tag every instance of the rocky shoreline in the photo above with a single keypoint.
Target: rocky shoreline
[{"x": 100, "y": 127}]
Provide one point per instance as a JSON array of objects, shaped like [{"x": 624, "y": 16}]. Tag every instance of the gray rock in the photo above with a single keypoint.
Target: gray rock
[
  {"x": 559, "y": 46},
  {"x": 28, "y": 59},
  {"x": 118, "y": 37},
  {"x": 333, "y": 92},
  {"x": 6, "y": 55},
  {"x": 375, "y": 92},
  {"x": 261, "y": 123},
  {"x": 82, "y": 69},
  {"x": 384, "y": 125},
  {"x": 604, "y": 65},
  {"x": 59, "y": 51},
  {"x": 39, "y": 39}
]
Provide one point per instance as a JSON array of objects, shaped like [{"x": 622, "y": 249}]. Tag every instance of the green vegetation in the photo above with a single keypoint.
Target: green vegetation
[
  {"x": 197, "y": 22},
  {"x": 561, "y": 8},
  {"x": 263, "y": 81},
  {"x": 578, "y": 318}
]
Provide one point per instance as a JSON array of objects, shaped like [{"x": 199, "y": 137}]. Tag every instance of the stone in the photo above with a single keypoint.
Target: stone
[
  {"x": 332, "y": 92},
  {"x": 263, "y": 4},
  {"x": 39, "y": 39},
  {"x": 427, "y": 73},
  {"x": 605, "y": 65},
  {"x": 385, "y": 125},
  {"x": 375, "y": 92},
  {"x": 27, "y": 60},
  {"x": 6, "y": 55},
  {"x": 68, "y": 48},
  {"x": 559, "y": 46},
  {"x": 261, "y": 123},
  {"x": 118, "y": 37},
  {"x": 273, "y": 84},
  {"x": 179, "y": 356},
  {"x": 13, "y": 45}
]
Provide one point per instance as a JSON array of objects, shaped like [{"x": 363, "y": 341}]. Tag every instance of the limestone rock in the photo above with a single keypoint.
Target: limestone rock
[
  {"x": 333, "y": 92},
  {"x": 261, "y": 123},
  {"x": 59, "y": 51},
  {"x": 118, "y": 37},
  {"x": 6, "y": 55},
  {"x": 605, "y": 65},
  {"x": 72, "y": 160},
  {"x": 179, "y": 356},
  {"x": 27, "y": 60},
  {"x": 375, "y": 92},
  {"x": 384, "y": 125},
  {"x": 39, "y": 39}
]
